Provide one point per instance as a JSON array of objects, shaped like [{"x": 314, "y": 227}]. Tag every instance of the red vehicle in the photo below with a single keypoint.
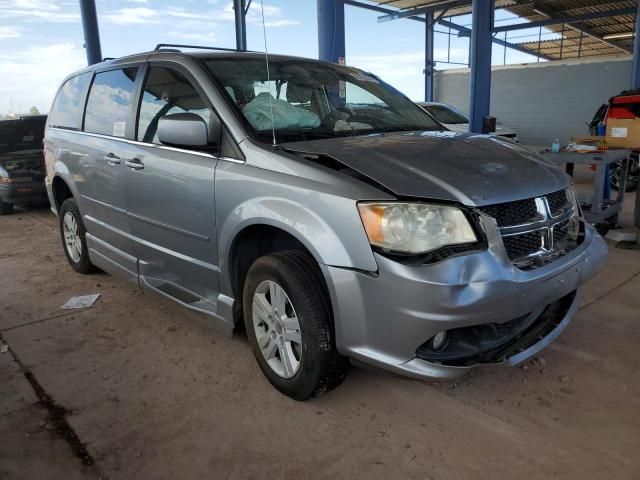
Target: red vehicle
[{"x": 625, "y": 105}]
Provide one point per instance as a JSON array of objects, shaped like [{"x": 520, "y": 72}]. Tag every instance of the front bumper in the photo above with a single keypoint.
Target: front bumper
[
  {"x": 23, "y": 192},
  {"x": 383, "y": 318}
]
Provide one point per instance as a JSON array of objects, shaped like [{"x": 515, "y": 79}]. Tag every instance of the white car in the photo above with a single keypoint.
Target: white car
[{"x": 456, "y": 121}]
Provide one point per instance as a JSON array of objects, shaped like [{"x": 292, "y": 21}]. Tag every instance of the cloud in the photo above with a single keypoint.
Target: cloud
[
  {"x": 200, "y": 37},
  {"x": 131, "y": 16},
  {"x": 273, "y": 16},
  {"x": 38, "y": 10},
  {"x": 142, "y": 15},
  {"x": 9, "y": 32},
  {"x": 284, "y": 22},
  {"x": 32, "y": 76},
  {"x": 146, "y": 15}
]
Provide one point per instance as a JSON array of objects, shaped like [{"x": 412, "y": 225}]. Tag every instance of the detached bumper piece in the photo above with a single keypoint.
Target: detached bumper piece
[{"x": 496, "y": 342}]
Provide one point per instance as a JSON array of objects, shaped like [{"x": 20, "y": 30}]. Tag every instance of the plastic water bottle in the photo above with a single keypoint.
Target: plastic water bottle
[{"x": 555, "y": 146}]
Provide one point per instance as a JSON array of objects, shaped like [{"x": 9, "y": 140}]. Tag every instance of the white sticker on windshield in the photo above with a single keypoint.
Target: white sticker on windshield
[
  {"x": 365, "y": 78},
  {"x": 119, "y": 128}
]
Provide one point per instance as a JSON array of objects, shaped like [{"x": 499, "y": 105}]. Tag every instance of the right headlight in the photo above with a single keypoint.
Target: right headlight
[{"x": 414, "y": 227}]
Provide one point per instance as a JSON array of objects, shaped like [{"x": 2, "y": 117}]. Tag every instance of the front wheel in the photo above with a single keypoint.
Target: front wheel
[
  {"x": 73, "y": 235},
  {"x": 288, "y": 320}
]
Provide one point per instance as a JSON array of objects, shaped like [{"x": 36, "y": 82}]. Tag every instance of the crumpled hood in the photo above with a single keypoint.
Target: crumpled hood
[{"x": 472, "y": 169}]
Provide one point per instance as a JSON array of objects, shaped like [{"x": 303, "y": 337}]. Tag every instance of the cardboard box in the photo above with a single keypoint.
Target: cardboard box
[{"x": 623, "y": 132}]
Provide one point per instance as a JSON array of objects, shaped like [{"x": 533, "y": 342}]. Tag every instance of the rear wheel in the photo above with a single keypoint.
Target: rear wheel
[
  {"x": 6, "y": 208},
  {"x": 288, "y": 321},
  {"x": 73, "y": 234}
]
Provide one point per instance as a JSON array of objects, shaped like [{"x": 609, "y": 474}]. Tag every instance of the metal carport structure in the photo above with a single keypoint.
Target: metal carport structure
[
  {"x": 585, "y": 28},
  {"x": 601, "y": 27}
]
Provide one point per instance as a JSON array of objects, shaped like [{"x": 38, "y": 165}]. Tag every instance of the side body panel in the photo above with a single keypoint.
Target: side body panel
[
  {"x": 314, "y": 204},
  {"x": 171, "y": 213},
  {"x": 98, "y": 187},
  {"x": 102, "y": 191}
]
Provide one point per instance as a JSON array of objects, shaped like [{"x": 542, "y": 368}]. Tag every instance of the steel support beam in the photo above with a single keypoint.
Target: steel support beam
[
  {"x": 429, "y": 61},
  {"x": 480, "y": 83},
  {"x": 91, "y": 31},
  {"x": 635, "y": 74},
  {"x": 331, "y": 37},
  {"x": 568, "y": 20},
  {"x": 240, "y": 13},
  {"x": 551, "y": 13},
  {"x": 467, "y": 33},
  {"x": 454, "y": 26},
  {"x": 412, "y": 12}
]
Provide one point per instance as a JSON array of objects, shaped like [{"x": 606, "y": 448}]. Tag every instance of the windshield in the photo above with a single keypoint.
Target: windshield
[
  {"x": 446, "y": 114},
  {"x": 305, "y": 99}
]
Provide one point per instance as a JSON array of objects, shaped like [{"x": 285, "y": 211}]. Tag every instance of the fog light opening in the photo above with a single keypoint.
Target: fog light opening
[{"x": 439, "y": 340}]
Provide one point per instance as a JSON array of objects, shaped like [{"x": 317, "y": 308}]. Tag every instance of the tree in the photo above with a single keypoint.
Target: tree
[{"x": 34, "y": 111}]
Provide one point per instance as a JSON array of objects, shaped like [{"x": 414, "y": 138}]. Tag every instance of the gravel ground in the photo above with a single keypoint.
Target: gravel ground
[{"x": 135, "y": 389}]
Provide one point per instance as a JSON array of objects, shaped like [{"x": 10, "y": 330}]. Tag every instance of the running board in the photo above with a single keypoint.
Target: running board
[{"x": 194, "y": 303}]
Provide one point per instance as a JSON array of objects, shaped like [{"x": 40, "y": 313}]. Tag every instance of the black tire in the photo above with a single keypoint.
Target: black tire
[
  {"x": 83, "y": 264},
  {"x": 6, "y": 208},
  {"x": 321, "y": 367},
  {"x": 632, "y": 178}
]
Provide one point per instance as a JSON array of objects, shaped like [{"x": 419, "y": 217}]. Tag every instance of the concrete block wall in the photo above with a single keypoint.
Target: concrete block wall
[{"x": 543, "y": 101}]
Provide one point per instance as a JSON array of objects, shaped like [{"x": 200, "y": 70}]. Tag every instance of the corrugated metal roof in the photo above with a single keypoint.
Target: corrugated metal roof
[{"x": 582, "y": 39}]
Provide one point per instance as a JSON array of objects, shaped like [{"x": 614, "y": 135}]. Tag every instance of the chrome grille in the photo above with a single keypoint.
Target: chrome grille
[
  {"x": 535, "y": 230},
  {"x": 513, "y": 213},
  {"x": 522, "y": 245},
  {"x": 558, "y": 201}
]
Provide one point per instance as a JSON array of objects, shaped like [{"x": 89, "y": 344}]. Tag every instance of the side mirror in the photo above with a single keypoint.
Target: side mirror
[{"x": 183, "y": 129}]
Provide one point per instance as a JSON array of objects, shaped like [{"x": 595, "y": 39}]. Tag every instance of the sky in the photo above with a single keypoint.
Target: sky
[{"x": 42, "y": 41}]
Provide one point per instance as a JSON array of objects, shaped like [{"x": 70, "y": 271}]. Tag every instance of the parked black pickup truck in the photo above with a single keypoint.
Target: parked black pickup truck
[{"x": 22, "y": 168}]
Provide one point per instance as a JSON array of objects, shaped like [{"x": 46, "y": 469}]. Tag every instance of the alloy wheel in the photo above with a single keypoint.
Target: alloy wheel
[
  {"x": 277, "y": 329},
  {"x": 72, "y": 237}
]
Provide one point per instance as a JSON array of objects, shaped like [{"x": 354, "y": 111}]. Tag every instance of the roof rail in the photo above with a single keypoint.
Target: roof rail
[{"x": 162, "y": 46}]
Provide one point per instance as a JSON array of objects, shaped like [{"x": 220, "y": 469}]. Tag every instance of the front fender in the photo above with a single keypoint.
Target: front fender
[{"x": 347, "y": 247}]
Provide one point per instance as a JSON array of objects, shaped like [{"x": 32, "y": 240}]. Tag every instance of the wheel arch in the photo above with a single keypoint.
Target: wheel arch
[
  {"x": 255, "y": 240},
  {"x": 328, "y": 241},
  {"x": 60, "y": 190}
]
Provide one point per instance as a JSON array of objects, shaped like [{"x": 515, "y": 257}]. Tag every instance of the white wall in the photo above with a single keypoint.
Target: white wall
[{"x": 543, "y": 101}]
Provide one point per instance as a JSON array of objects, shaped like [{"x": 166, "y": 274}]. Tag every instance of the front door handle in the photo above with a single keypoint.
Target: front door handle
[
  {"x": 112, "y": 159},
  {"x": 134, "y": 163}
]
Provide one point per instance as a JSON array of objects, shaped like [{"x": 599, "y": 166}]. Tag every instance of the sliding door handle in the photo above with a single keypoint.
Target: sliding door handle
[
  {"x": 134, "y": 164},
  {"x": 112, "y": 159}
]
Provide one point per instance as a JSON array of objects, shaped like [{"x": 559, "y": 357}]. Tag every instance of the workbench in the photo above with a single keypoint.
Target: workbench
[{"x": 598, "y": 211}]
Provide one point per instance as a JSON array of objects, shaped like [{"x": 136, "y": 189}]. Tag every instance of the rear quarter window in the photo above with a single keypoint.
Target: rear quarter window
[
  {"x": 66, "y": 111},
  {"x": 109, "y": 104}
]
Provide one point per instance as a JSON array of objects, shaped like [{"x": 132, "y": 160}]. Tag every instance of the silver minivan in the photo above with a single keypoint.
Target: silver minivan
[{"x": 319, "y": 209}]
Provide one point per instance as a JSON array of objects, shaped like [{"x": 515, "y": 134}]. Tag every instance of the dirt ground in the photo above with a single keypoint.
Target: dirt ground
[{"x": 135, "y": 389}]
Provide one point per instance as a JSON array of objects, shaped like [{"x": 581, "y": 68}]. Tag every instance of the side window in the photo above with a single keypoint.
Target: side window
[
  {"x": 167, "y": 91},
  {"x": 66, "y": 111},
  {"x": 109, "y": 103}
]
